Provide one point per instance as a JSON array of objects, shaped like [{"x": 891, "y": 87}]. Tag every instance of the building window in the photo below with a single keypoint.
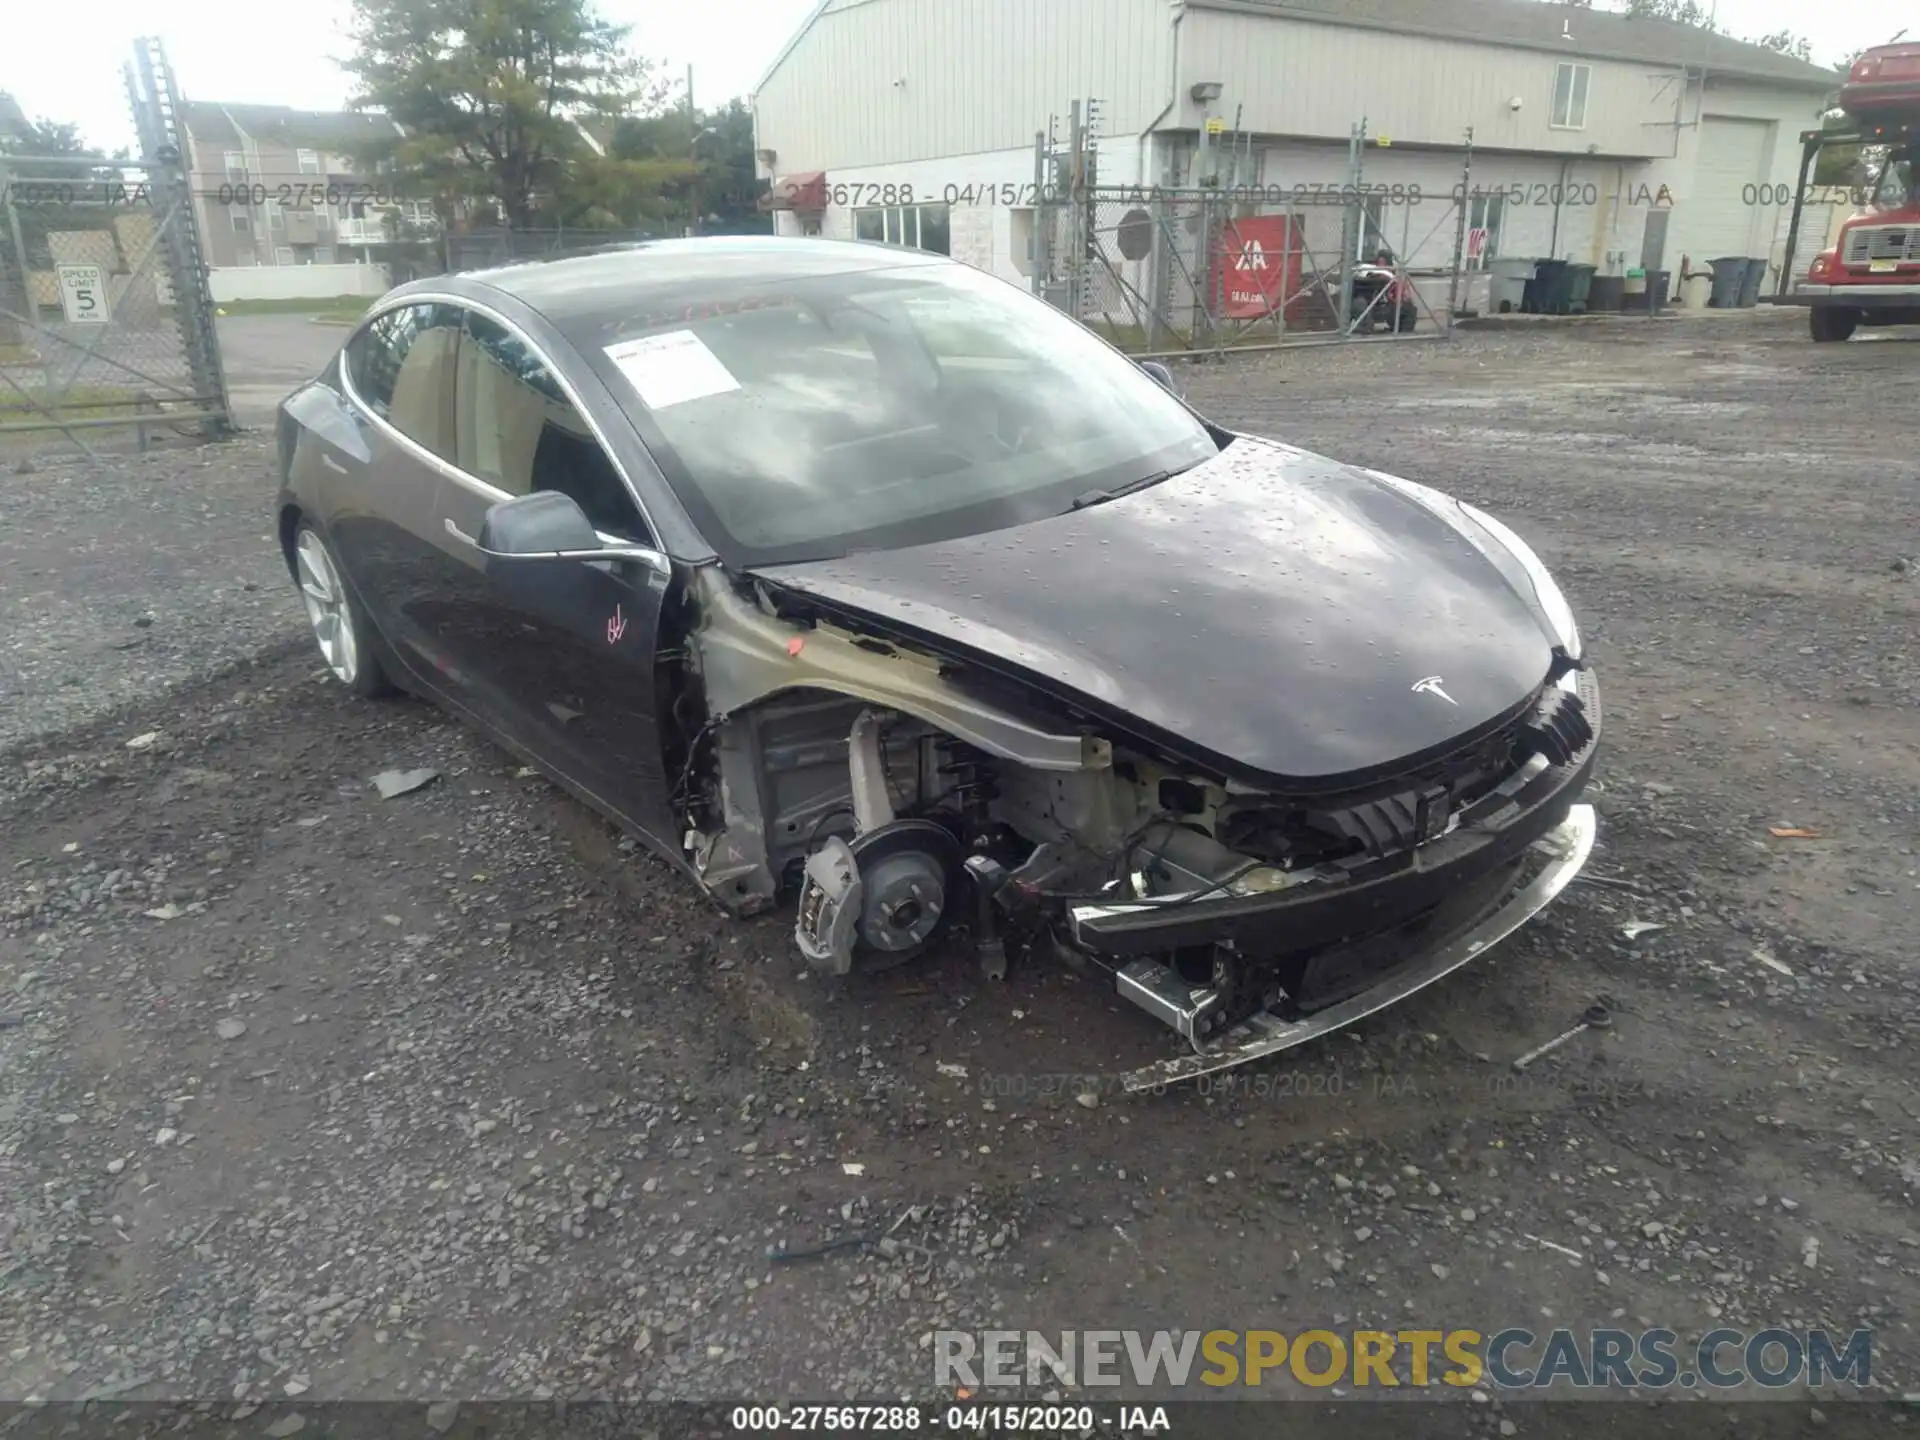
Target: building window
[
  {"x": 309, "y": 161},
  {"x": 236, "y": 164},
  {"x": 323, "y": 255},
  {"x": 1484, "y": 214},
  {"x": 1570, "y": 83},
  {"x": 275, "y": 219},
  {"x": 918, "y": 227},
  {"x": 283, "y": 255},
  {"x": 237, "y": 216},
  {"x": 1372, "y": 238}
]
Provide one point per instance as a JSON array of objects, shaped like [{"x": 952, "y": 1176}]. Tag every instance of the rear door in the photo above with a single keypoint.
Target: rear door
[
  {"x": 383, "y": 469},
  {"x": 558, "y": 654}
]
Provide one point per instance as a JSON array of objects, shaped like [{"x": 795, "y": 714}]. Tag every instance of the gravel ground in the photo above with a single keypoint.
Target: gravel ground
[{"x": 317, "y": 1095}]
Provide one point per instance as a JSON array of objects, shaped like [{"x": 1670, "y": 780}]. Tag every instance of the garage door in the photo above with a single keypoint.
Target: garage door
[{"x": 1721, "y": 214}]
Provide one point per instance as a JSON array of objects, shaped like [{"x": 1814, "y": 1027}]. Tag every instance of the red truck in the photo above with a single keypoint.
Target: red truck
[{"x": 1872, "y": 276}]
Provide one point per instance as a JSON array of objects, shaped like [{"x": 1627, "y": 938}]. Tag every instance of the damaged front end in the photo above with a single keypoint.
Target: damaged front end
[{"x": 896, "y": 793}]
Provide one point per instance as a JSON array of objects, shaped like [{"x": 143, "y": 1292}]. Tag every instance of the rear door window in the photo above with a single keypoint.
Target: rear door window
[{"x": 401, "y": 365}]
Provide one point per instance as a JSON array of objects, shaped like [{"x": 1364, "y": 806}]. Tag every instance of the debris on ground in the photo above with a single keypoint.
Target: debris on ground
[{"x": 394, "y": 783}]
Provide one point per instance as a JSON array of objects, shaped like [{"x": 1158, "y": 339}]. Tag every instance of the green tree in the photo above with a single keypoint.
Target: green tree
[
  {"x": 1681, "y": 12},
  {"x": 1788, "y": 43},
  {"x": 1691, "y": 12},
  {"x": 719, "y": 182},
  {"x": 497, "y": 99}
]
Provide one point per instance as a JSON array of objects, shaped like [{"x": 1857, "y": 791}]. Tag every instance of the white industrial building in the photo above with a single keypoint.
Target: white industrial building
[{"x": 914, "y": 121}]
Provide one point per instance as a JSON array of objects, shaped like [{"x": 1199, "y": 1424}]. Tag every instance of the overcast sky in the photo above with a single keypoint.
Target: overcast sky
[{"x": 65, "y": 65}]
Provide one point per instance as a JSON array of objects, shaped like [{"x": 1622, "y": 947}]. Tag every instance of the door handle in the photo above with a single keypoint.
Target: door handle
[
  {"x": 332, "y": 464},
  {"x": 461, "y": 535}
]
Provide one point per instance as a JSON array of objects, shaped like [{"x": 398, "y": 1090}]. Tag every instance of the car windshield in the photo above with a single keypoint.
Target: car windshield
[
  {"x": 1895, "y": 187},
  {"x": 885, "y": 407}
]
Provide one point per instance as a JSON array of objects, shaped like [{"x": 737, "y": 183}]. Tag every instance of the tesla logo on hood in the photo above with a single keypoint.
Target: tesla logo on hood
[{"x": 1431, "y": 686}]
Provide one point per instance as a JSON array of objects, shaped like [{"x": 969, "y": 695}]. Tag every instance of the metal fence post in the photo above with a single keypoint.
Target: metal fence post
[
  {"x": 1349, "y": 237},
  {"x": 154, "y": 98},
  {"x": 1464, "y": 200},
  {"x": 10, "y": 332}
]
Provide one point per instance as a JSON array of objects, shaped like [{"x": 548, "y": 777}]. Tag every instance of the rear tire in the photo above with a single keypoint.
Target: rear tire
[
  {"x": 340, "y": 628},
  {"x": 1831, "y": 324}
]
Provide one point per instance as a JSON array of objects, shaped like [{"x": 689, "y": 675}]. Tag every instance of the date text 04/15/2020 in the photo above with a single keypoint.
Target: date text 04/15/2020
[{"x": 972, "y": 1419}]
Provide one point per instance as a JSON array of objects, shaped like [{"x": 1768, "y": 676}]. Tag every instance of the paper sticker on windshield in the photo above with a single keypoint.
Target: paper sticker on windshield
[{"x": 671, "y": 369}]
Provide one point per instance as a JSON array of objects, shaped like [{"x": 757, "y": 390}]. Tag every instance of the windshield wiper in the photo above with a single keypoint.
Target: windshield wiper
[{"x": 1100, "y": 497}]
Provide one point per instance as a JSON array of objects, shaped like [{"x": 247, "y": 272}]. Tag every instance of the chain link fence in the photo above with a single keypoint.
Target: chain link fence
[
  {"x": 106, "y": 324},
  {"x": 1171, "y": 271}
]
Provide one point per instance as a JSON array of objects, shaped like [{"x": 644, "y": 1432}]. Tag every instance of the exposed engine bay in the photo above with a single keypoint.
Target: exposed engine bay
[{"x": 899, "y": 798}]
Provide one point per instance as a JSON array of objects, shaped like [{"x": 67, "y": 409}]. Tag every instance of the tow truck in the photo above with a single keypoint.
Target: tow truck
[{"x": 1872, "y": 275}]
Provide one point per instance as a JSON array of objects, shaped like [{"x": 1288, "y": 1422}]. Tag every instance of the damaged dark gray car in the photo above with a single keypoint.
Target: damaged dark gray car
[{"x": 850, "y": 578}]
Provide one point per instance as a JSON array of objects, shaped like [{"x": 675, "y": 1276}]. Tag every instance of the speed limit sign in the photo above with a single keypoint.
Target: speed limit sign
[{"x": 83, "y": 294}]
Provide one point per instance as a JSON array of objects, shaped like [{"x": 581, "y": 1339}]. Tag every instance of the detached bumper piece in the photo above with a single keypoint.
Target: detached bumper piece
[
  {"x": 1348, "y": 944},
  {"x": 1557, "y": 857}
]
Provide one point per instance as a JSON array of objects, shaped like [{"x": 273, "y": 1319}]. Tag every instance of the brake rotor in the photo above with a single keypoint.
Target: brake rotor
[{"x": 908, "y": 872}]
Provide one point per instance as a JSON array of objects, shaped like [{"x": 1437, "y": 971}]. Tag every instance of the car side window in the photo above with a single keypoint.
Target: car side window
[
  {"x": 401, "y": 365},
  {"x": 517, "y": 430}
]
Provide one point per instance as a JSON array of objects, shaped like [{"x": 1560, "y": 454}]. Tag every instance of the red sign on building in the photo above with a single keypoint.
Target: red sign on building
[{"x": 1257, "y": 266}]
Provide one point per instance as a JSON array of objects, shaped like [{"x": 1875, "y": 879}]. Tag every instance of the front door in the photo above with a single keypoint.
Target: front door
[{"x": 558, "y": 654}]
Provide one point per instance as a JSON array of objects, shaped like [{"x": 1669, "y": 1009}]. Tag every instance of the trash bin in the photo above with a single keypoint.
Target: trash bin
[
  {"x": 1696, "y": 290},
  {"x": 1729, "y": 274},
  {"x": 1608, "y": 294},
  {"x": 1579, "y": 287},
  {"x": 1507, "y": 285},
  {"x": 1756, "y": 276},
  {"x": 1547, "y": 291}
]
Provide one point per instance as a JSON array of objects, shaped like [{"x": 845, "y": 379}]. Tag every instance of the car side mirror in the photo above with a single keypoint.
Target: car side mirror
[
  {"x": 1162, "y": 376},
  {"x": 543, "y": 523},
  {"x": 547, "y": 525}
]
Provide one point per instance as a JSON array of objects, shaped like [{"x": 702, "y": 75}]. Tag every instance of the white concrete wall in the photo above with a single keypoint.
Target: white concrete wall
[
  {"x": 296, "y": 282},
  {"x": 874, "y": 82},
  {"x": 1299, "y": 77}
]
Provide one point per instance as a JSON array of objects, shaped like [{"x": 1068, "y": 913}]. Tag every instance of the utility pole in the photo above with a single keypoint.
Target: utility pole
[{"x": 693, "y": 150}]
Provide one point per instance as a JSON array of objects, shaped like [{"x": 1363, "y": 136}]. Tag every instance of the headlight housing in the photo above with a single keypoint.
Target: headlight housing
[{"x": 1508, "y": 551}]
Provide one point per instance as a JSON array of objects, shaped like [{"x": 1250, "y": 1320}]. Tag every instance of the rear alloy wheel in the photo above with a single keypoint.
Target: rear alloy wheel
[
  {"x": 1831, "y": 323},
  {"x": 340, "y": 630}
]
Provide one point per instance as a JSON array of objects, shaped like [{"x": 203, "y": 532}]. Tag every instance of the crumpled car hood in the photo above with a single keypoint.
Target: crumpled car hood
[{"x": 1269, "y": 611}]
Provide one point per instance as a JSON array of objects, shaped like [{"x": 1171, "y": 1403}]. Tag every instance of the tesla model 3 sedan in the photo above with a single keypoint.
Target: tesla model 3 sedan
[{"x": 852, "y": 578}]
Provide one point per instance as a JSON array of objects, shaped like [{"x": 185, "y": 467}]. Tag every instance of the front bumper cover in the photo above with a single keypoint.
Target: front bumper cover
[
  {"x": 1564, "y": 849},
  {"x": 1895, "y": 296},
  {"x": 1316, "y": 915},
  {"x": 1539, "y": 838}
]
